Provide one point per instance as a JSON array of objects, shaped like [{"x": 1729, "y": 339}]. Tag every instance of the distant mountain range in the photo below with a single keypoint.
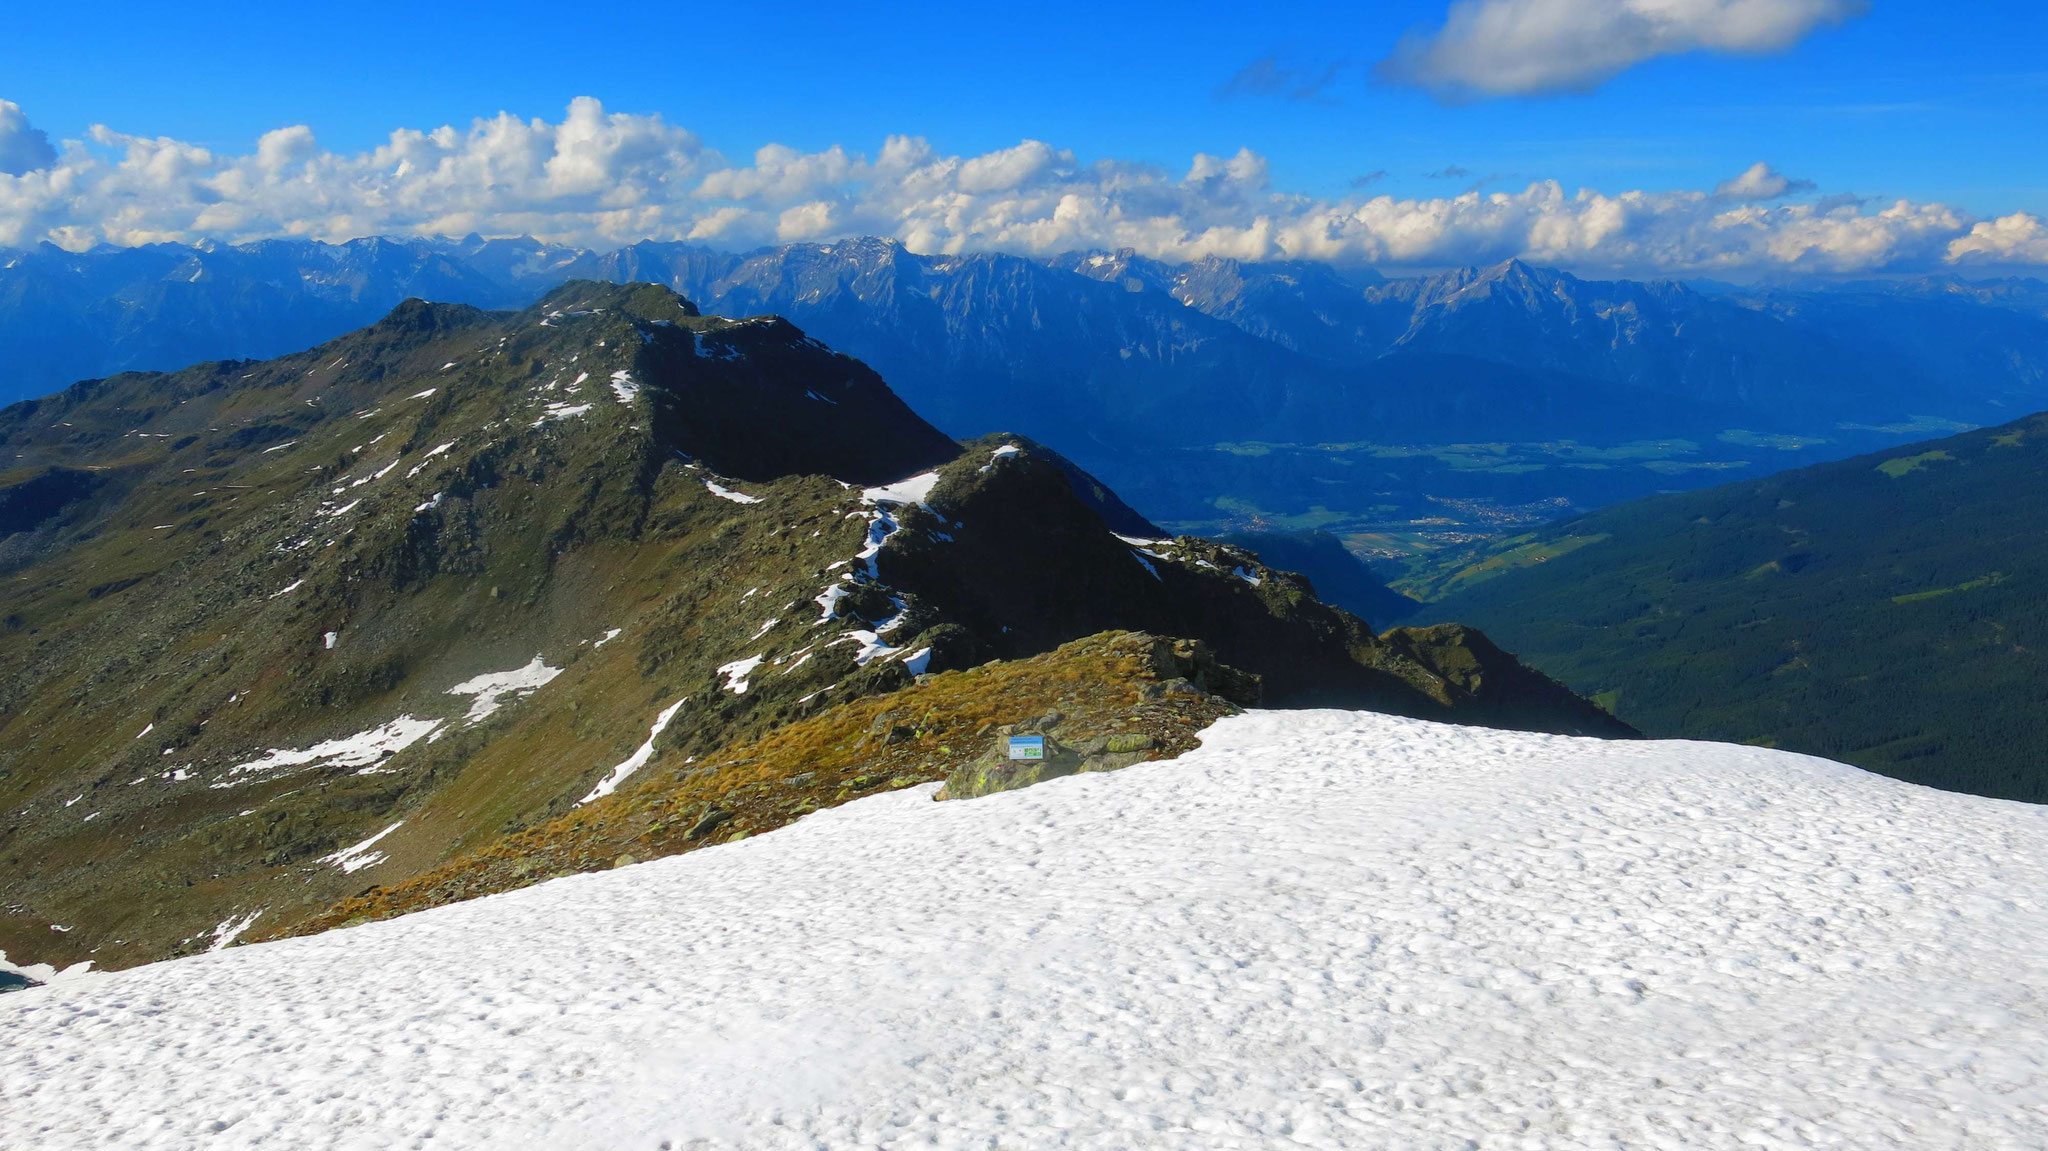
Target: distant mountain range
[
  {"x": 1140, "y": 369},
  {"x": 279, "y": 630},
  {"x": 1118, "y": 339},
  {"x": 1889, "y": 611}
]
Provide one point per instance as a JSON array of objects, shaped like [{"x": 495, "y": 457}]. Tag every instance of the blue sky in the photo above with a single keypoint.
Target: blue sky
[{"x": 1930, "y": 103}]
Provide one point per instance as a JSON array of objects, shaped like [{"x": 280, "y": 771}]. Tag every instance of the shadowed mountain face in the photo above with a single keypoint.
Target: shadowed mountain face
[
  {"x": 1340, "y": 578},
  {"x": 1885, "y": 610},
  {"x": 280, "y": 630}
]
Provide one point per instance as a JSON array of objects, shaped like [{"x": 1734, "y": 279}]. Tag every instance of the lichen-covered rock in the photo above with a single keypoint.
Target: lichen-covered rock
[
  {"x": 708, "y": 823},
  {"x": 995, "y": 771}
]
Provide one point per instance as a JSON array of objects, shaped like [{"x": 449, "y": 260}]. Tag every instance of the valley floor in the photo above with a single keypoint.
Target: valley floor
[{"x": 1325, "y": 929}]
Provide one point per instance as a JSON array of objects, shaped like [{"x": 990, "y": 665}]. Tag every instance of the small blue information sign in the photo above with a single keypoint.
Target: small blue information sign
[{"x": 1027, "y": 747}]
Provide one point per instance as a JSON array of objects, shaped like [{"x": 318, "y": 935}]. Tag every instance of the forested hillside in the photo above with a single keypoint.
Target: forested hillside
[{"x": 1889, "y": 610}]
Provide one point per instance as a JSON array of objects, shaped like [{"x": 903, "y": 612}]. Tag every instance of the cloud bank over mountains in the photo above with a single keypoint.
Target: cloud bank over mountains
[
  {"x": 1492, "y": 48},
  {"x": 603, "y": 179}
]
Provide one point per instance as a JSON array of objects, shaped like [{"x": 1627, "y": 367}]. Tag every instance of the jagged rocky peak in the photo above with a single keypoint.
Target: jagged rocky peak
[
  {"x": 1015, "y": 542},
  {"x": 866, "y": 268},
  {"x": 1124, "y": 266},
  {"x": 1511, "y": 279}
]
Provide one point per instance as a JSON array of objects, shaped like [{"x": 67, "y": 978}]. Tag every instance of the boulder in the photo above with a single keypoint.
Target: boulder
[{"x": 993, "y": 770}]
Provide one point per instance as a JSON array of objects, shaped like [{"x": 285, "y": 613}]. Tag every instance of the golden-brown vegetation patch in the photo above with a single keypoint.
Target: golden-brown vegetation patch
[{"x": 1100, "y": 686}]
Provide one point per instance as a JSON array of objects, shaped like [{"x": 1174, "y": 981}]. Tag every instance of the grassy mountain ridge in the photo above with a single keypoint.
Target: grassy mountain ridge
[
  {"x": 277, "y": 631},
  {"x": 1886, "y": 610},
  {"x": 1114, "y": 686}
]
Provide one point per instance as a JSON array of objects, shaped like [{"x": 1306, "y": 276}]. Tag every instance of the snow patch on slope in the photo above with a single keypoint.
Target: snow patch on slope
[
  {"x": 353, "y": 859},
  {"x": 915, "y": 490},
  {"x": 737, "y": 671},
  {"x": 640, "y": 758},
  {"x": 491, "y": 689},
  {"x": 1000, "y": 453},
  {"x": 231, "y": 929},
  {"x": 726, "y": 493},
  {"x": 562, "y": 411},
  {"x": 363, "y": 750},
  {"x": 828, "y": 601},
  {"x": 428, "y": 458}
]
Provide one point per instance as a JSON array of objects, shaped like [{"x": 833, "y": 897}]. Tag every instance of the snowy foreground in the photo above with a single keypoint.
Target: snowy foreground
[{"x": 1325, "y": 929}]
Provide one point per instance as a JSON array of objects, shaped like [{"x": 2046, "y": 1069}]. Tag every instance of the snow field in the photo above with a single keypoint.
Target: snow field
[{"x": 1322, "y": 929}]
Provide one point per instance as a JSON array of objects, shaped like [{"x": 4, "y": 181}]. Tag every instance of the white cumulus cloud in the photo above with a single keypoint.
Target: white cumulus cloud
[
  {"x": 1534, "y": 47},
  {"x": 22, "y": 148},
  {"x": 2016, "y": 239},
  {"x": 603, "y": 179}
]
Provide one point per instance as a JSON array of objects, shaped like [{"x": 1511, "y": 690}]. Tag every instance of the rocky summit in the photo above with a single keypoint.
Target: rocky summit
[{"x": 282, "y": 635}]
